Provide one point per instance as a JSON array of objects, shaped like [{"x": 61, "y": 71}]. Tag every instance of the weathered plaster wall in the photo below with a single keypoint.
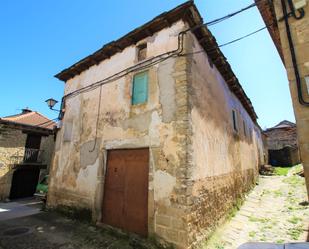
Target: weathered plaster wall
[
  {"x": 77, "y": 174},
  {"x": 12, "y": 143},
  {"x": 300, "y": 36},
  {"x": 224, "y": 163},
  {"x": 198, "y": 165}
]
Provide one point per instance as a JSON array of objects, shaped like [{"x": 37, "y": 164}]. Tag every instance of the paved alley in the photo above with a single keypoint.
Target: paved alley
[
  {"x": 274, "y": 211},
  {"x": 19, "y": 208},
  {"x": 50, "y": 230}
]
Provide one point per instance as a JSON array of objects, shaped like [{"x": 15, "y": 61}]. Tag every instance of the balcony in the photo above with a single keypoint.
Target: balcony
[{"x": 28, "y": 156}]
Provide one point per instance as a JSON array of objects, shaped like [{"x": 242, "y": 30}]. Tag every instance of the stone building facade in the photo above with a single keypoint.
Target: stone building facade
[
  {"x": 14, "y": 140},
  {"x": 282, "y": 144},
  {"x": 203, "y": 145},
  {"x": 291, "y": 37}
]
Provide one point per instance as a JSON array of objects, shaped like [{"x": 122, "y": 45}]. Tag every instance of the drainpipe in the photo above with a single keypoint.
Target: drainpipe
[{"x": 301, "y": 13}]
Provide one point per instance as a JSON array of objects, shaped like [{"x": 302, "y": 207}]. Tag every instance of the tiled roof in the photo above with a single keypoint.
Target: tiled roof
[
  {"x": 285, "y": 124},
  {"x": 31, "y": 118}
]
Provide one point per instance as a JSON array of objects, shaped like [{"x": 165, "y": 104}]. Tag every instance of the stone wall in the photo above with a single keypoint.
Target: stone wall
[
  {"x": 12, "y": 148},
  {"x": 283, "y": 147},
  {"x": 280, "y": 138},
  {"x": 223, "y": 163},
  {"x": 12, "y": 143},
  {"x": 300, "y": 36}
]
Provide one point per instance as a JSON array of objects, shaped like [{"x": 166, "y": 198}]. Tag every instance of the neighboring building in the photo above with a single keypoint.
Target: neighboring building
[
  {"x": 26, "y": 147},
  {"x": 291, "y": 37},
  {"x": 282, "y": 144},
  {"x": 158, "y": 137}
]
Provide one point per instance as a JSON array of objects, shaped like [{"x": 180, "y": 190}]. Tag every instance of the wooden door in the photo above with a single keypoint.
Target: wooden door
[{"x": 125, "y": 202}]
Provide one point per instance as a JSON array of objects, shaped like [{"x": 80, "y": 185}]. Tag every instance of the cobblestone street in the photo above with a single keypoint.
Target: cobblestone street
[{"x": 275, "y": 211}]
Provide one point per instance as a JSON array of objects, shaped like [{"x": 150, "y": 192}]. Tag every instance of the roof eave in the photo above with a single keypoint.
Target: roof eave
[
  {"x": 267, "y": 11},
  {"x": 164, "y": 20},
  {"x": 26, "y": 127},
  {"x": 189, "y": 13}
]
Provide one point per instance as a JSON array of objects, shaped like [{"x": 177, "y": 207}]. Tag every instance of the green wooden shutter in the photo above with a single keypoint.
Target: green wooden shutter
[{"x": 140, "y": 88}]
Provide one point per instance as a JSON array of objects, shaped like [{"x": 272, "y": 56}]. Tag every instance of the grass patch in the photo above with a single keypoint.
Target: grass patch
[
  {"x": 295, "y": 232},
  {"x": 252, "y": 234},
  {"x": 261, "y": 220},
  {"x": 281, "y": 171},
  {"x": 236, "y": 207},
  {"x": 278, "y": 193},
  {"x": 219, "y": 246},
  {"x": 294, "y": 220},
  {"x": 294, "y": 181},
  {"x": 263, "y": 238}
]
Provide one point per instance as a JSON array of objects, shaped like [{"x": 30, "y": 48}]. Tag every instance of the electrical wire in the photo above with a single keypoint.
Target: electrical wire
[
  {"x": 128, "y": 70},
  {"x": 97, "y": 121},
  {"x": 155, "y": 60},
  {"x": 47, "y": 122},
  {"x": 139, "y": 66},
  {"x": 226, "y": 17},
  {"x": 221, "y": 19},
  {"x": 301, "y": 12},
  {"x": 227, "y": 43}
]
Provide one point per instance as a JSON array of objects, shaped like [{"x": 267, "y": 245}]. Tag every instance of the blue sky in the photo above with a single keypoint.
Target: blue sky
[{"x": 40, "y": 38}]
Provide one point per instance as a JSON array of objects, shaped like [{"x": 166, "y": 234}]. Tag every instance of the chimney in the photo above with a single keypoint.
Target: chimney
[{"x": 25, "y": 110}]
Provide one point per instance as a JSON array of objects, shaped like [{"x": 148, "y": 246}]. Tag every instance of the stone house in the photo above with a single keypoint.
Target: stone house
[
  {"x": 291, "y": 38},
  {"x": 282, "y": 144},
  {"x": 26, "y": 147},
  {"x": 157, "y": 135}
]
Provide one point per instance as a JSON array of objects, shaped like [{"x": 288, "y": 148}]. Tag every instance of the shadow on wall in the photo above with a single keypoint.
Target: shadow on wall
[
  {"x": 287, "y": 156},
  {"x": 19, "y": 183},
  {"x": 5, "y": 183}
]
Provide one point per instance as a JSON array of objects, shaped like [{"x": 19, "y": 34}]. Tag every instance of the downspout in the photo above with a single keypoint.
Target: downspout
[{"x": 291, "y": 45}]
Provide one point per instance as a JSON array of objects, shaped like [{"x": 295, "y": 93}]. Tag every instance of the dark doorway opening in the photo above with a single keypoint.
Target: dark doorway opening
[{"x": 24, "y": 182}]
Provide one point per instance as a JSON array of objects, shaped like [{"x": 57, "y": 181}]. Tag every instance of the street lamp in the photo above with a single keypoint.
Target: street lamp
[{"x": 51, "y": 103}]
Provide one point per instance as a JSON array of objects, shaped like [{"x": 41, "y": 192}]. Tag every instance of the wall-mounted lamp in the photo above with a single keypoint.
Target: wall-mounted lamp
[{"x": 51, "y": 103}]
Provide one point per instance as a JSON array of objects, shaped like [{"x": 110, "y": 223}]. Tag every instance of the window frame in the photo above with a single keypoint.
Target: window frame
[
  {"x": 235, "y": 120},
  {"x": 140, "y": 47},
  {"x": 245, "y": 127},
  {"x": 135, "y": 102}
]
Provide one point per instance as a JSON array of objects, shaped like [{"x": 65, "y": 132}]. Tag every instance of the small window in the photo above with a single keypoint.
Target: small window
[
  {"x": 234, "y": 116},
  {"x": 250, "y": 134},
  {"x": 142, "y": 52},
  {"x": 140, "y": 88},
  {"x": 245, "y": 128}
]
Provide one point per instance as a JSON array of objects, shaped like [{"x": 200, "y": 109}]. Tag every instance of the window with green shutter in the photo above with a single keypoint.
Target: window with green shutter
[{"x": 140, "y": 88}]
